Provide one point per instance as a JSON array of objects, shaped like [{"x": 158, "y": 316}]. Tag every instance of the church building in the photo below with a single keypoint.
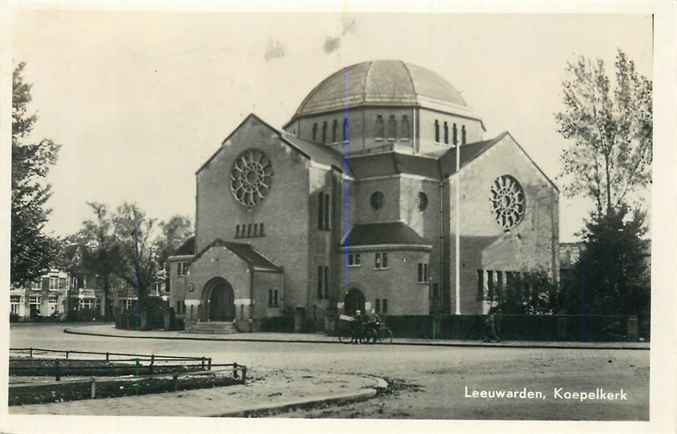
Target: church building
[{"x": 353, "y": 205}]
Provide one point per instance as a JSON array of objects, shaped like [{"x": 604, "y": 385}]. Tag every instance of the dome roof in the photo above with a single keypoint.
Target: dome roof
[{"x": 382, "y": 82}]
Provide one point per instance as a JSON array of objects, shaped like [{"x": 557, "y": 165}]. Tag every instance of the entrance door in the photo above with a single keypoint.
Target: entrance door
[
  {"x": 221, "y": 301},
  {"x": 353, "y": 302}
]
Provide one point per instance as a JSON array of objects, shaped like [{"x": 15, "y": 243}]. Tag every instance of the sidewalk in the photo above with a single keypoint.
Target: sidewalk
[
  {"x": 265, "y": 391},
  {"x": 315, "y": 338}
]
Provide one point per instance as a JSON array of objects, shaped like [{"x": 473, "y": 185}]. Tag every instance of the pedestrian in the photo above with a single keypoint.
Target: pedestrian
[
  {"x": 490, "y": 326},
  {"x": 357, "y": 327}
]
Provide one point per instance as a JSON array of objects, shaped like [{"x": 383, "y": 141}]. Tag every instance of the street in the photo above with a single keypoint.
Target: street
[{"x": 427, "y": 382}]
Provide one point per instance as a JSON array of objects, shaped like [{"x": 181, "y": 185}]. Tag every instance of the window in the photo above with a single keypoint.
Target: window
[
  {"x": 237, "y": 231},
  {"x": 182, "y": 268},
  {"x": 455, "y": 134},
  {"x": 392, "y": 128},
  {"x": 62, "y": 283},
  {"x": 381, "y": 260},
  {"x": 376, "y": 200},
  {"x": 324, "y": 211},
  {"x": 499, "y": 281},
  {"x": 272, "y": 298},
  {"x": 315, "y": 132},
  {"x": 275, "y": 299},
  {"x": 53, "y": 299},
  {"x": 261, "y": 233},
  {"x": 178, "y": 307},
  {"x": 422, "y": 273},
  {"x": 446, "y": 133},
  {"x": 422, "y": 201},
  {"x": 53, "y": 283},
  {"x": 354, "y": 260},
  {"x": 15, "y": 298},
  {"x": 379, "y": 131},
  {"x": 490, "y": 283},
  {"x": 346, "y": 135},
  {"x": 377, "y": 305},
  {"x": 384, "y": 305},
  {"x": 404, "y": 128},
  {"x": 322, "y": 282},
  {"x": 34, "y": 299},
  {"x": 15, "y": 308},
  {"x": 463, "y": 135},
  {"x": 249, "y": 230},
  {"x": 324, "y": 132},
  {"x": 437, "y": 131},
  {"x": 242, "y": 311},
  {"x": 334, "y": 131},
  {"x": 256, "y": 230},
  {"x": 480, "y": 285}
]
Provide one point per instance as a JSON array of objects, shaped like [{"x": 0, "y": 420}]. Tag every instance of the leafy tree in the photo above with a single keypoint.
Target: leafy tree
[
  {"x": 609, "y": 131},
  {"x": 528, "y": 293},
  {"x": 100, "y": 249},
  {"x": 31, "y": 248},
  {"x": 612, "y": 243},
  {"x": 173, "y": 233},
  {"x": 137, "y": 260}
]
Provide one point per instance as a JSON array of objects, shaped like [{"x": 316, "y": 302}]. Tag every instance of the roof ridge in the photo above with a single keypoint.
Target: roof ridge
[{"x": 411, "y": 79}]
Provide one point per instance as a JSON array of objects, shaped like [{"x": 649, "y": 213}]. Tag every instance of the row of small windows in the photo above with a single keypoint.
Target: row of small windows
[
  {"x": 423, "y": 275},
  {"x": 490, "y": 282},
  {"x": 324, "y": 212},
  {"x": 249, "y": 230},
  {"x": 377, "y": 199},
  {"x": 381, "y": 130},
  {"x": 454, "y": 132},
  {"x": 334, "y": 131},
  {"x": 390, "y": 132},
  {"x": 182, "y": 268}
]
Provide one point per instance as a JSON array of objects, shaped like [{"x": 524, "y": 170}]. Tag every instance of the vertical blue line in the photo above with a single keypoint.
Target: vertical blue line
[{"x": 346, "y": 170}]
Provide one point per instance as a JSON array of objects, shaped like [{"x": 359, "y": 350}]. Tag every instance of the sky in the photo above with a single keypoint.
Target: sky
[{"x": 139, "y": 100}]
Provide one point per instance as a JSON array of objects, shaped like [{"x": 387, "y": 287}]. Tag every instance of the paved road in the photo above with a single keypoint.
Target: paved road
[{"x": 430, "y": 382}]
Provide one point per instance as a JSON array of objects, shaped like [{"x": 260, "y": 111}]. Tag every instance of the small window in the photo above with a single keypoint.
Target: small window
[
  {"x": 327, "y": 212},
  {"x": 437, "y": 131},
  {"x": 261, "y": 233},
  {"x": 381, "y": 260},
  {"x": 384, "y": 305},
  {"x": 455, "y": 134},
  {"x": 242, "y": 311},
  {"x": 463, "y": 137},
  {"x": 237, "y": 231},
  {"x": 480, "y": 285},
  {"x": 404, "y": 128},
  {"x": 379, "y": 128},
  {"x": 334, "y": 131},
  {"x": 320, "y": 211},
  {"x": 354, "y": 260},
  {"x": 315, "y": 132},
  {"x": 275, "y": 299},
  {"x": 256, "y": 230},
  {"x": 376, "y": 200},
  {"x": 249, "y": 230},
  {"x": 392, "y": 128},
  {"x": 422, "y": 201},
  {"x": 346, "y": 133},
  {"x": 422, "y": 273},
  {"x": 324, "y": 132},
  {"x": 270, "y": 297},
  {"x": 446, "y": 133}
]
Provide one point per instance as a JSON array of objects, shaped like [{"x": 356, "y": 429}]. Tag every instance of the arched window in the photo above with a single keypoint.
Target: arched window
[
  {"x": 463, "y": 135},
  {"x": 346, "y": 135},
  {"x": 380, "y": 127},
  {"x": 446, "y": 133},
  {"x": 324, "y": 132},
  {"x": 314, "y": 131},
  {"x": 437, "y": 130},
  {"x": 334, "y": 131},
  {"x": 404, "y": 127},
  {"x": 455, "y": 134},
  {"x": 392, "y": 128}
]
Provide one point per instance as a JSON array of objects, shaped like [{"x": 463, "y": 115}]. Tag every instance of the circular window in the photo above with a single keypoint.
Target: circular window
[
  {"x": 422, "y": 201},
  {"x": 251, "y": 177},
  {"x": 508, "y": 202},
  {"x": 376, "y": 200}
]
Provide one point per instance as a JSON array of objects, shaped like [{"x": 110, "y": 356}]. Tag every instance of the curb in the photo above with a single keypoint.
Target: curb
[
  {"x": 361, "y": 395},
  {"x": 422, "y": 344}
]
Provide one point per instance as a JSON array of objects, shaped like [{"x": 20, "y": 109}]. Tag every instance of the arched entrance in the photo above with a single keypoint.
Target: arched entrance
[
  {"x": 218, "y": 301},
  {"x": 353, "y": 302}
]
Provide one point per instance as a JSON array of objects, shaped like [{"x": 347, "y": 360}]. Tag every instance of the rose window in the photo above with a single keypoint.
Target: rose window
[
  {"x": 507, "y": 201},
  {"x": 251, "y": 177}
]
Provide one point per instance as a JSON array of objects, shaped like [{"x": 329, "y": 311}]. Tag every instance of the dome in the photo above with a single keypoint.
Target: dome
[{"x": 382, "y": 82}]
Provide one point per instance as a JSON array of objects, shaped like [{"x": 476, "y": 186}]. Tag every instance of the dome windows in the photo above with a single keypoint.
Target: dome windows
[
  {"x": 437, "y": 131},
  {"x": 392, "y": 128},
  {"x": 422, "y": 201},
  {"x": 379, "y": 128},
  {"x": 404, "y": 128}
]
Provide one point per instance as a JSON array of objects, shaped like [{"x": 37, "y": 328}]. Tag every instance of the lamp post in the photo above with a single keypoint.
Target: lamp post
[{"x": 457, "y": 230}]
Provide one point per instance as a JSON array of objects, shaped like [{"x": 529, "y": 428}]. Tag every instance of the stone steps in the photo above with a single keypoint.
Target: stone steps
[{"x": 213, "y": 327}]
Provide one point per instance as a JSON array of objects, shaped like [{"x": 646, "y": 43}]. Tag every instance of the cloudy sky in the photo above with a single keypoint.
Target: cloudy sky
[{"x": 140, "y": 99}]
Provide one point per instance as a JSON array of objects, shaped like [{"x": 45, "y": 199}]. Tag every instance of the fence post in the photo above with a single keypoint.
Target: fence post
[
  {"x": 30, "y": 353},
  {"x": 67, "y": 355},
  {"x": 244, "y": 373},
  {"x": 93, "y": 388},
  {"x": 152, "y": 361},
  {"x": 136, "y": 367},
  {"x": 235, "y": 370},
  {"x": 107, "y": 356},
  {"x": 175, "y": 378},
  {"x": 203, "y": 364},
  {"x": 58, "y": 370},
  {"x": 209, "y": 364}
]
